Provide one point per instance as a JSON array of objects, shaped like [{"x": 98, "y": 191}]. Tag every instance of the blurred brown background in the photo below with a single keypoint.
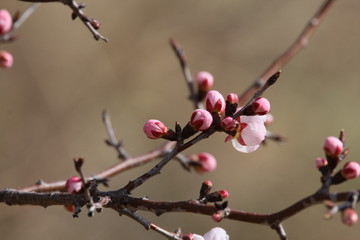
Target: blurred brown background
[{"x": 51, "y": 103}]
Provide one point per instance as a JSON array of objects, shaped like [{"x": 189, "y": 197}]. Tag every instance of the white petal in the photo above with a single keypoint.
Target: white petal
[
  {"x": 197, "y": 237},
  {"x": 256, "y": 118},
  {"x": 254, "y": 133},
  {"x": 216, "y": 234},
  {"x": 244, "y": 149}
]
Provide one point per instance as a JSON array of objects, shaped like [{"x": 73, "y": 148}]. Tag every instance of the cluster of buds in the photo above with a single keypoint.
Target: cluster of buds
[
  {"x": 73, "y": 185},
  {"x": 335, "y": 153},
  {"x": 207, "y": 196},
  {"x": 6, "y": 23},
  {"x": 246, "y": 131},
  {"x": 348, "y": 215},
  {"x": 214, "y": 234},
  {"x": 216, "y": 197}
]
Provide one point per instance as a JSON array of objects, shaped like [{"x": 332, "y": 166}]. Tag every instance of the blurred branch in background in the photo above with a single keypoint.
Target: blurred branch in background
[
  {"x": 83, "y": 191},
  {"x": 92, "y": 24}
]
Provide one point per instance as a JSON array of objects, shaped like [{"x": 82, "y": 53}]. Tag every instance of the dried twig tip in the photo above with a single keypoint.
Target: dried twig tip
[{"x": 273, "y": 78}]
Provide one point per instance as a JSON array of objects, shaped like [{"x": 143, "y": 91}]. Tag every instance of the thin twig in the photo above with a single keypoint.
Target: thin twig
[
  {"x": 78, "y": 162},
  {"x": 179, "y": 52},
  {"x": 280, "y": 231},
  {"x": 284, "y": 58},
  {"x": 152, "y": 172},
  {"x": 182, "y": 146},
  {"x": 90, "y": 23},
  {"x": 113, "y": 141},
  {"x": 258, "y": 93},
  {"x": 148, "y": 225},
  {"x": 42, "y": 186}
]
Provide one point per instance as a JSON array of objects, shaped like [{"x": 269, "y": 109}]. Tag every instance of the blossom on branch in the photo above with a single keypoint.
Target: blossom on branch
[
  {"x": 5, "y": 21},
  {"x": 320, "y": 162},
  {"x": 215, "y": 102},
  {"x": 6, "y": 59},
  {"x": 333, "y": 146},
  {"x": 155, "y": 129},
  {"x": 201, "y": 120},
  {"x": 351, "y": 170},
  {"x": 349, "y": 217},
  {"x": 73, "y": 185},
  {"x": 261, "y": 106},
  {"x": 214, "y": 234},
  {"x": 250, "y": 133},
  {"x": 203, "y": 162},
  {"x": 204, "y": 80}
]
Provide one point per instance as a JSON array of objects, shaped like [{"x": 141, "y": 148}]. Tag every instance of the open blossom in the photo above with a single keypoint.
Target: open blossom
[
  {"x": 251, "y": 132},
  {"x": 214, "y": 234},
  {"x": 6, "y": 59},
  {"x": 215, "y": 102},
  {"x": 5, "y": 21},
  {"x": 201, "y": 120},
  {"x": 154, "y": 129},
  {"x": 204, "y": 80}
]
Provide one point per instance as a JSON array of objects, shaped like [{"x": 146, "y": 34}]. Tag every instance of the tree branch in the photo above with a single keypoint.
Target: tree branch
[{"x": 284, "y": 58}]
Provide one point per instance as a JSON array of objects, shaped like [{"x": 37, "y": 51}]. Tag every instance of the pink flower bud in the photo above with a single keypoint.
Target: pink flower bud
[
  {"x": 232, "y": 98},
  {"x": 224, "y": 194},
  {"x": 204, "y": 80},
  {"x": 205, "y": 188},
  {"x": 73, "y": 185},
  {"x": 261, "y": 106},
  {"x": 6, "y": 59},
  {"x": 349, "y": 216},
  {"x": 217, "y": 217},
  {"x": 208, "y": 183},
  {"x": 351, "y": 170},
  {"x": 228, "y": 123},
  {"x": 320, "y": 162},
  {"x": 215, "y": 102},
  {"x": 206, "y": 162},
  {"x": 201, "y": 120},
  {"x": 333, "y": 146},
  {"x": 70, "y": 208},
  {"x": 5, "y": 21},
  {"x": 154, "y": 129}
]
